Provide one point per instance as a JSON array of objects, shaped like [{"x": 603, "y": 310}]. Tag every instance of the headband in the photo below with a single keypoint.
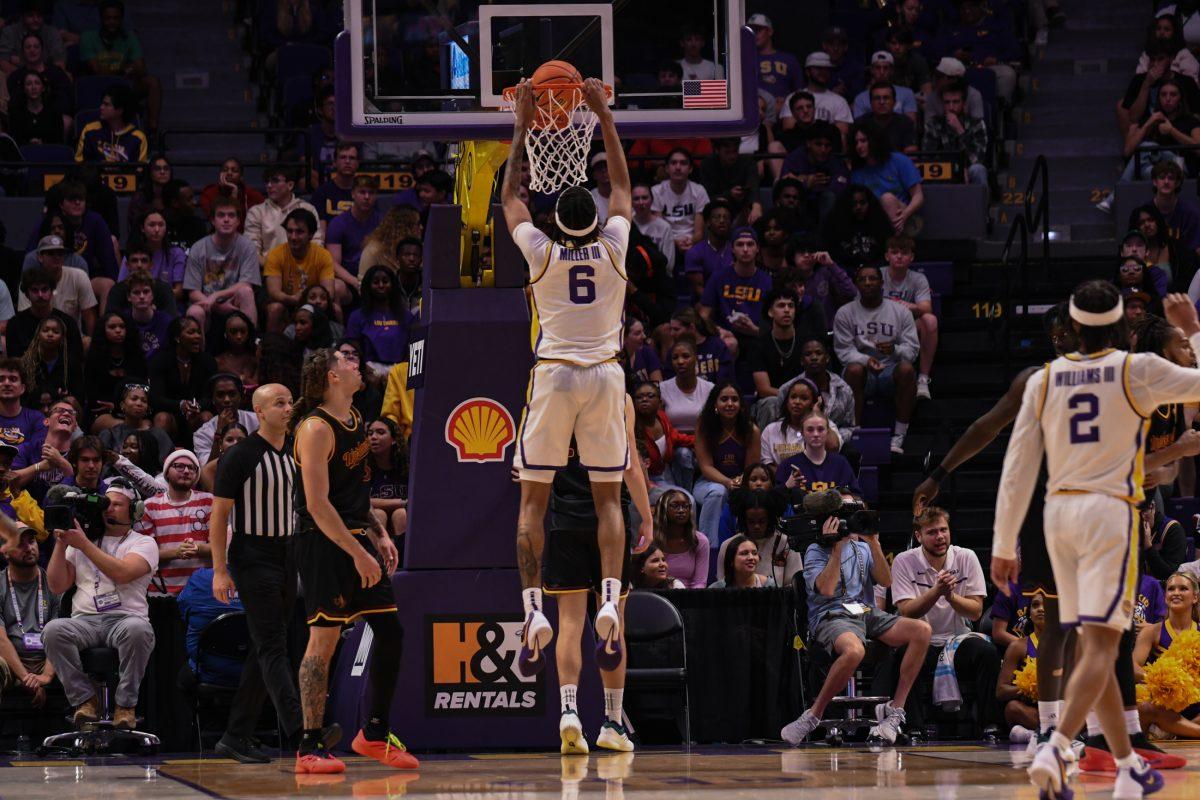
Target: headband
[
  {"x": 123, "y": 490},
  {"x": 575, "y": 231},
  {"x": 1098, "y": 319}
]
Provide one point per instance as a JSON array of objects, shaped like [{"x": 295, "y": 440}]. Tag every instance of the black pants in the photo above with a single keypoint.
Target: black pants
[
  {"x": 975, "y": 666},
  {"x": 265, "y": 574}
]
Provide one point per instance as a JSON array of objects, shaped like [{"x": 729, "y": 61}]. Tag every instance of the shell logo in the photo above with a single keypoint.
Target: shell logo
[{"x": 480, "y": 429}]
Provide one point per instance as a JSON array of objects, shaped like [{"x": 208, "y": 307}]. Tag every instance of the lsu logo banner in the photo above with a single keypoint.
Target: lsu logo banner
[
  {"x": 472, "y": 668},
  {"x": 480, "y": 430}
]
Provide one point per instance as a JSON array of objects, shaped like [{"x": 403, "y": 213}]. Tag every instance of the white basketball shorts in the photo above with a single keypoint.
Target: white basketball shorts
[
  {"x": 1092, "y": 541},
  {"x": 565, "y": 400}
]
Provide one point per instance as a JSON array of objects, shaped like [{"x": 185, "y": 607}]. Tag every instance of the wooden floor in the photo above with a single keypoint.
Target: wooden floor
[{"x": 928, "y": 772}]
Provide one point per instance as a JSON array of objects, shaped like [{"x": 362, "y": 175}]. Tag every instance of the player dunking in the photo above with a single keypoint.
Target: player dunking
[
  {"x": 577, "y": 388},
  {"x": 1089, "y": 413},
  {"x": 344, "y": 558},
  {"x": 572, "y": 570}
]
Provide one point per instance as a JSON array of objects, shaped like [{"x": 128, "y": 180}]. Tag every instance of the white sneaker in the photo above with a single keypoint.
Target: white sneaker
[
  {"x": 1021, "y": 735},
  {"x": 923, "y": 387},
  {"x": 799, "y": 729},
  {"x": 613, "y": 736},
  {"x": 608, "y": 636},
  {"x": 1135, "y": 782},
  {"x": 1105, "y": 205},
  {"x": 898, "y": 444},
  {"x": 535, "y": 636},
  {"x": 570, "y": 731},
  {"x": 1049, "y": 773},
  {"x": 891, "y": 721}
]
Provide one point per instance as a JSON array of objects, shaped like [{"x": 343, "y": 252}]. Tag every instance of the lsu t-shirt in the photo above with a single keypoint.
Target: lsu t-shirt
[
  {"x": 296, "y": 276},
  {"x": 679, "y": 210}
]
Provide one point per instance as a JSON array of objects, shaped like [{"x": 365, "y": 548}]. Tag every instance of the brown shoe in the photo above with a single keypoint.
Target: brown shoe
[
  {"x": 87, "y": 713},
  {"x": 125, "y": 718}
]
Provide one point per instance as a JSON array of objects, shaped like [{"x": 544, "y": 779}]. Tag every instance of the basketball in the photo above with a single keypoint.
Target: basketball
[{"x": 549, "y": 101}]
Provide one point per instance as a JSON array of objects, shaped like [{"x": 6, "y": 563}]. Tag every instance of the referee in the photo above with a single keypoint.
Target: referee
[{"x": 253, "y": 496}]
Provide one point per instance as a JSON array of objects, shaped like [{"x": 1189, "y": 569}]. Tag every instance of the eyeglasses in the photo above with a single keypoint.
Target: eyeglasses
[{"x": 184, "y": 465}]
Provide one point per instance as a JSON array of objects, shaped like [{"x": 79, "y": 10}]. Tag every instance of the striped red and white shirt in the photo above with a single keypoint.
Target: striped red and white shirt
[{"x": 170, "y": 523}]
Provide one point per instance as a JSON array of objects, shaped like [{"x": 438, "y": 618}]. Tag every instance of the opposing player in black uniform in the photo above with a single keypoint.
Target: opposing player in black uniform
[
  {"x": 1036, "y": 574},
  {"x": 571, "y": 569},
  {"x": 345, "y": 559}
]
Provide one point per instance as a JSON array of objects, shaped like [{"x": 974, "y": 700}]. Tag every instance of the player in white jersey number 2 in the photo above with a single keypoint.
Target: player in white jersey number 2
[
  {"x": 577, "y": 387},
  {"x": 1089, "y": 412}
]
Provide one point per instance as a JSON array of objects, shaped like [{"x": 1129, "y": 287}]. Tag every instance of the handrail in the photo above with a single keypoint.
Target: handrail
[
  {"x": 1019, "y": 228},
  {"x": 1037, "y": 218}
]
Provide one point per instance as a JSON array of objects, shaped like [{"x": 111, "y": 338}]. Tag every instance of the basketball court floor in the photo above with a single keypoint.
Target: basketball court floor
[{"x": 941, "y": 772}]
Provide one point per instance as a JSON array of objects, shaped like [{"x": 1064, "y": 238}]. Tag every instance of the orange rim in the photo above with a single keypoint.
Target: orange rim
[{"x": 562, "y": 87}]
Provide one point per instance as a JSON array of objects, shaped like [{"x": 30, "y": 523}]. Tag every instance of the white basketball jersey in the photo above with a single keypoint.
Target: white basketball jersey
[
  {"x": 1095, "y": 437},
  {"x": 578, "y": 293}
]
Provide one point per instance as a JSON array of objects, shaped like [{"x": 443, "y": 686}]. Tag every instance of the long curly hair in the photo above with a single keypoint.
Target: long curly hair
[
  {"x": 400, "y": 222},
  {"x": 314, "y": 380},
  {"x": 32, "y": 362}
]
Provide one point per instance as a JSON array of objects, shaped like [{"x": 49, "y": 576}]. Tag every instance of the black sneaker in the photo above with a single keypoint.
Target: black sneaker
[
  {"x": 1141, "y": 741},
  {"x": 241, "y": 750},
  {"x": 1097, "y": 742}
]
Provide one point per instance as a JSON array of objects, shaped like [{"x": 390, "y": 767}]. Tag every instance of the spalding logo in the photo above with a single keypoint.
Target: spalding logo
[{"x": 480, "y": 429}]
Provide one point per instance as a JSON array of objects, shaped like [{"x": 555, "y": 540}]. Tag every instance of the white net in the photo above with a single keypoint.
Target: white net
[{"x": 557, "y": 145}]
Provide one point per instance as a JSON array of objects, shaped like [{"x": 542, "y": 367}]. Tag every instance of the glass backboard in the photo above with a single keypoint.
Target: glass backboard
[{"x": 437, "y": 70}]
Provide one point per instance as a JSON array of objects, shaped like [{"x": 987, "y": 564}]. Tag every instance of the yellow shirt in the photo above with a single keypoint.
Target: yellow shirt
[
  {"x": 296, "y": 276},
  {"x": 398, "y": 399}
]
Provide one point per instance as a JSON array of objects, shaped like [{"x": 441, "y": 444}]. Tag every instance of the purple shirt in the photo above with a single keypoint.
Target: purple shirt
[
  {"x": 1151, "y": 604},
  {"x": 93, "y": 242},
  {"x": 779, "y": 73},
  {"x": 1184, "y": 223},
  {"x": 645, "y": 361},
  {"x": 384, "y": 338},
  {"x": 166, "y": 265},
  {"x": 834, "y": 472},
  {"x": 1015, "y": 613},
  {"x": 703, "y": 258},
  {"x": 797, "y": 163},
  {"x": 691, "y": 567},
  {"x": 27, "y": 425},
  {"x": 727, "y": 291},
  {"x": 730, "y": 457},
  {"x": 330, "y": 200},
  {"x": 347, "y": 231},
  {"x": 154, "y": 332}
]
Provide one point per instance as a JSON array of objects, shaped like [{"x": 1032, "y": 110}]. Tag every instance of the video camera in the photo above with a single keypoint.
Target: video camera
[
  {"x": 805, "y": 526},
  {"x": 64, "y": 505}
]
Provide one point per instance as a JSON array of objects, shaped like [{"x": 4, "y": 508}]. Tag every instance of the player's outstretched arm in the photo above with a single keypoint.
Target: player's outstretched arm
[
  {"x": 979, "y": 435},
  {"x": 516, "y": 212},
  {"x": 620, "y": 202},
  {"x": 1020, "y": 474}
]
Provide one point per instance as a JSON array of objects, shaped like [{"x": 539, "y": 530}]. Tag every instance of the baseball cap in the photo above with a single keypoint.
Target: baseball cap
[
  {"x": 882, "y": 57},
  {"x": 7, "y": 448},
  {"x": 49, "y": 244},
  {"x": 745, "y": 232},
  {"x": 759, "y": 21},
  {"x": 818, "y": 59},
  {"x": 951, "y": 67},
  {"x": 1131, "y": 293},
  {"x": 834, "y": 33},
  {"x": 1133, "y": 234}
]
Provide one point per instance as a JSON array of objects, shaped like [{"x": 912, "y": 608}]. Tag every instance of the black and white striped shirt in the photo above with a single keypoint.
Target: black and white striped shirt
[{"x": 260, "y": 481}]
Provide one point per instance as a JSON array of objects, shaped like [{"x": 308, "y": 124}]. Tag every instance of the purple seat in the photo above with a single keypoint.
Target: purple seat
[
  {"x": 940, "y": 275},
  {"x": 868, "y": 479},
  {"x": 875, "y": 446}
]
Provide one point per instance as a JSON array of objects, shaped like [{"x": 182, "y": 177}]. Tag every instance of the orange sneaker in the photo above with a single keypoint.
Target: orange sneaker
[
  {"x": 318, "y": 762},
  {"x": 390, "y": 751},
  {"x": 1097, "y": 760}
]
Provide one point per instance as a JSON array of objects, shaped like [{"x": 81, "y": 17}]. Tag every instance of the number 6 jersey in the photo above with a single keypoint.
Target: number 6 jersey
[
  {"x": 578, "y": 293},
  {"x": 1090, "y": 415}
]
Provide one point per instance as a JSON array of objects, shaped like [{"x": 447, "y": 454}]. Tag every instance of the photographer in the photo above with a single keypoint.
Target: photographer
[
  {"x": 841, "y": 619},
  {"x": 110, "y": 577}
]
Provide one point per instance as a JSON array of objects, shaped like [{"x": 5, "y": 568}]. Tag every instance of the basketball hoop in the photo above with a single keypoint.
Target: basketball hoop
[{"x": 559, "y": 137}]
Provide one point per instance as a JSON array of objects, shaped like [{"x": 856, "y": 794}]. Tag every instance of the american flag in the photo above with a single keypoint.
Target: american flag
[{"x": 705, "y": 94}]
